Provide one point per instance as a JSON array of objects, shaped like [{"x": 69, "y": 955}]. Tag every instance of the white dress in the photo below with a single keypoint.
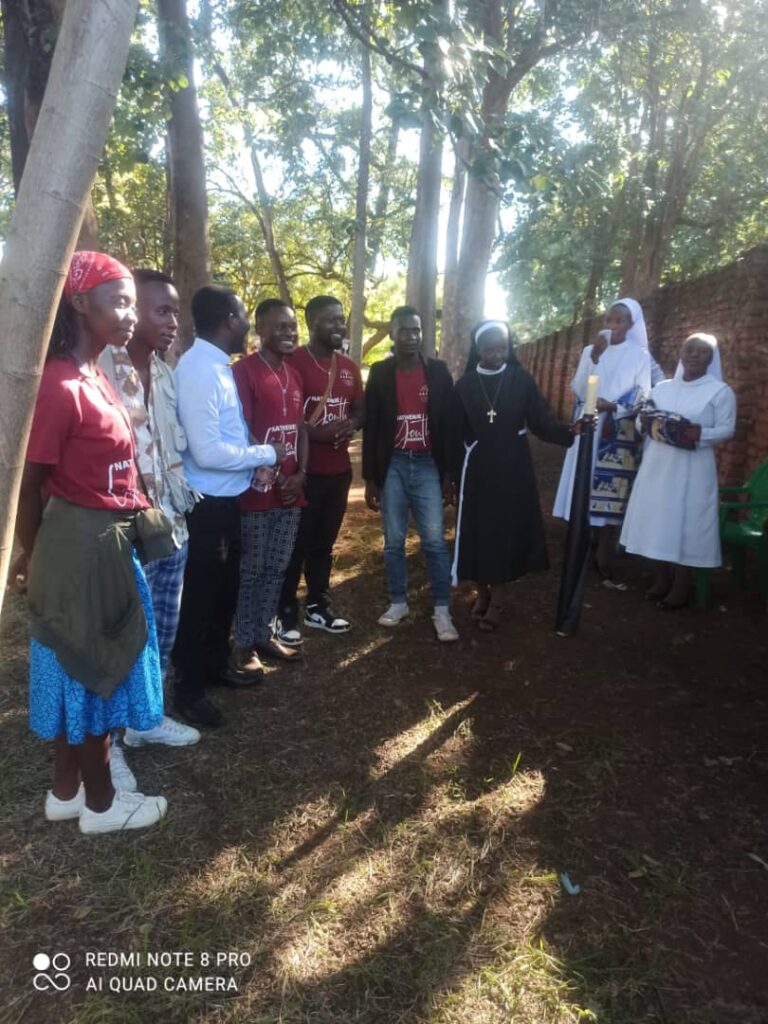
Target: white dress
[
  {"x": 673, "y": 510},
  {"x": 620, "y": 369}
]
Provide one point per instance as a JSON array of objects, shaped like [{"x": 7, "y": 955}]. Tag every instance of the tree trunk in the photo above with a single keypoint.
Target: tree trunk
[
  {"x": 481, "y": 203},
  {"x": 481, "y": 210},
  {"x": 453, "y": 239},
  {"x": 680, "y": 146},
  {"x": 359, "y": 260},
  {"x": 263, "y": 210},
  {"x": 421, "y": 280},
  {"x": 27, "y": 63},
  {"x": 189, "y": 201},
  {"x": 376, "y": 233},
  {"x": 266, "y": 222},
  {"x": 84, "y": 79},
  {"x": 588, "y": 306},
  {"x": 605, "y": 230},
  {"x": 29, "y": 29}
]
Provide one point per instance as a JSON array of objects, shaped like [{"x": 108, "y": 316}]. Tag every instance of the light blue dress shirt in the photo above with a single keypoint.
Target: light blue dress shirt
[{"x": 218, "y": 459}]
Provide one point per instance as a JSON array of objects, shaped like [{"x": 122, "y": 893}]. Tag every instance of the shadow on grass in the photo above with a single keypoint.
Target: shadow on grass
[{"x": 382, "y": 829}]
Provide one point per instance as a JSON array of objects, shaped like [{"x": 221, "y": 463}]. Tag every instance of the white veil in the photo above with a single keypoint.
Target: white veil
[
  {"x": 716, "y": 366},
  {"x": 638, "y": 335}
]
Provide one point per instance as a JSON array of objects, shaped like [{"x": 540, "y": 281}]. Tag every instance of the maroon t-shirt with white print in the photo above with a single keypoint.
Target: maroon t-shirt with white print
[
  {"x": 412, "y": 427},
  {"x": 324, "y": 459},
  {"x": 272, "y": 402},
  {"x": 81, "y": 430}
]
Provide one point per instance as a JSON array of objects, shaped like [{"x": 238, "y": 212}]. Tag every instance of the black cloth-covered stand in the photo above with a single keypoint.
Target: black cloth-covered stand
[{"x": 577, "y": 544}]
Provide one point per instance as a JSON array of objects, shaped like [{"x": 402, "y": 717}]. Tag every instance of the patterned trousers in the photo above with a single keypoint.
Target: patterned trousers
[
  {"x": 165, "y": 577},
  {"x": 267, "y": 540}
]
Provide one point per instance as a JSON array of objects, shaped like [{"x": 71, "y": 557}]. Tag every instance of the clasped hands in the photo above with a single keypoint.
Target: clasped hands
[
  {"x": 337, "y": 432},
  {"x": 690, "y": 433},
  {"x": 373, "y": 493},
  {"x": 289, "y": 486}
]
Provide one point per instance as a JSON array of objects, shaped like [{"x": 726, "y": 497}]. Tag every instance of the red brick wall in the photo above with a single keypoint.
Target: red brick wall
[{"x": 731, "y": 303}]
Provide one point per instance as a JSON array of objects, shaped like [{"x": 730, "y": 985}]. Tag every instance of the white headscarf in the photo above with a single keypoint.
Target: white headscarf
[
  {"x": 488, "y": 325},
  {"x": 638, "y": 335},
  {"x": 715, "y": 368}
]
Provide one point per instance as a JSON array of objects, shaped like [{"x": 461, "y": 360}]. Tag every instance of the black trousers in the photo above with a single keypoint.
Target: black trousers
[
  {"x": 321, "y": 520},
  {"x": 209, "y": 596}
]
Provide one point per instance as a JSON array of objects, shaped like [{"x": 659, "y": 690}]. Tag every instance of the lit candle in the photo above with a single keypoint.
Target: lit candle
[{"x": 590, "y": 403}]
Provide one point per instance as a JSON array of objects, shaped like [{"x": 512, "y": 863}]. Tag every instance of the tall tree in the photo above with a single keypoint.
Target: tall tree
[
  {"x": 30, "y": 30},
  {"x": 263, "y": 207},
  {"x": 517, "y": 38},
  {"x": 452, "y": 242},
  {"x": 29, "y": 33},
  {"x": 359, "y": 255},
  {"x": 650, "y": 169},
  {"x": 186, "y": 161},
  {"x": 421, "y": 280},
  {"x": 381, "y": 203},
  {"x": 84, "y": 79},
  {"x": 498, "y": 23},
  {"x": 682, "y": 104}
]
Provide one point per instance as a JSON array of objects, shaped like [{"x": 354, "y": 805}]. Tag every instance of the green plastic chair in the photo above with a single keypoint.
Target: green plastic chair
[{"x": 743, "y": 523}]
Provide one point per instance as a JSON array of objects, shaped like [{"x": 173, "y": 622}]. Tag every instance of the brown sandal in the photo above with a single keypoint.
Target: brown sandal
[{"x": 492, "y": 618}]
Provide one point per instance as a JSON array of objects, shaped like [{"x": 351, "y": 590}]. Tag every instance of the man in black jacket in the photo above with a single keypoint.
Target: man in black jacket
[{"x": 404, "y": 467}]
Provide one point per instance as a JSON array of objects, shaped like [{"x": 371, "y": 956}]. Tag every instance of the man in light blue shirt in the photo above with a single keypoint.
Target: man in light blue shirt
[{"x": 219, "y": 462}]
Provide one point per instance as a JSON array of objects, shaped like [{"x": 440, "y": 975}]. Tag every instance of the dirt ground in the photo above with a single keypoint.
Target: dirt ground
[{"x": 378, "y": 834}]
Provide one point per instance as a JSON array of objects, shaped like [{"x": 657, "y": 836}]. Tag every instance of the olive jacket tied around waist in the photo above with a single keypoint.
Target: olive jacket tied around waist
[{"x": 82, "y": 594}]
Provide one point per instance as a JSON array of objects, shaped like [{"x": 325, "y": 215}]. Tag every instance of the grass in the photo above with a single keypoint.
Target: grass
[
  {"x": 379, "y": 835},
  {"x": 347, "y": 908}
]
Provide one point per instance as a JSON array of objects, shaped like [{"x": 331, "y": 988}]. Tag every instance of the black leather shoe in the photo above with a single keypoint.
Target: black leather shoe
[
  {"x": 234, "y": 680},
  {"x": 274, "y": 650},
  {"x": 200, "y": 711},
  {"x": 243, "y": 670}
]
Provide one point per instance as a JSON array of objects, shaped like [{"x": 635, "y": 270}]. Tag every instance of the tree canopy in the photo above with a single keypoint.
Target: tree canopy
[{"x": 605, "y": 147}]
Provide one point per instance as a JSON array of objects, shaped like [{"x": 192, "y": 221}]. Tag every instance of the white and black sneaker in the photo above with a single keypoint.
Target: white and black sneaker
[
  {"x": 287, "y": 633},
  {"x": 317, "y": 616}
]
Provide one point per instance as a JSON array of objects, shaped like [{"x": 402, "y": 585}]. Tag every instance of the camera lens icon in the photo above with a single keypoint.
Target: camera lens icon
[{"x": 51, "y": 972}]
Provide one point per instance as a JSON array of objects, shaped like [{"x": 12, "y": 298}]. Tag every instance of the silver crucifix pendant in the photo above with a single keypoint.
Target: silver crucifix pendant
[{"x": 491, "y": 415}]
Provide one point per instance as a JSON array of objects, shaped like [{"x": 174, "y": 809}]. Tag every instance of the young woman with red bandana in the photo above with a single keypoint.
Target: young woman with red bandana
[{"x": 94, "y": 664}]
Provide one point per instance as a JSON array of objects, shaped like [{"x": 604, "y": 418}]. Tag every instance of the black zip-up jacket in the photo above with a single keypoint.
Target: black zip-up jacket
[{"x": 381, "y": 416}]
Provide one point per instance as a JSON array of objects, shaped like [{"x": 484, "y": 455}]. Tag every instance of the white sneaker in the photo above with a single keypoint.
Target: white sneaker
[
  {"x": 128, "y": 810},
  {"x": 169, "y": 733},
  {"x": 122, "y": 776},
  {"x": 288, "y": 635},
  {"x": 393, "y": 615},
  {"x": 62, "y": 810},
  {"x": 444, "y": 627},
  {"x": 317, "y": 616}
]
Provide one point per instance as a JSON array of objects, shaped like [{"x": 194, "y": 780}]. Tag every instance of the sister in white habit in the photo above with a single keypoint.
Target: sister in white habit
[
  {"x": 621, "y": 360},
  {"x": 673, "y": 512}
]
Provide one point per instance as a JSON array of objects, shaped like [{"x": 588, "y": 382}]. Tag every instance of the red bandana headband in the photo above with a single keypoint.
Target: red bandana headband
[{"x": 89, "y": 269}]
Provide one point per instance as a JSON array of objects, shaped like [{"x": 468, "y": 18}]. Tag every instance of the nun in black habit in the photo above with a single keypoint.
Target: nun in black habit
[{"x": 499, "y": 530}]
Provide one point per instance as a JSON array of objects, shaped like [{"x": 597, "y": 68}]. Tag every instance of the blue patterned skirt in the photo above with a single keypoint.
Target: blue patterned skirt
[{"x": 59, "y": 705}]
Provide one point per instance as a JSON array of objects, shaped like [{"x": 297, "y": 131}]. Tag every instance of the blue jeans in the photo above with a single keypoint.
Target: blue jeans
[{"x": 413, "y": 485}]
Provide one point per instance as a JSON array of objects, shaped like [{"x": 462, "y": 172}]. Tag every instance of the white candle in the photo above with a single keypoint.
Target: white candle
[{"x": 590, "y": 403}]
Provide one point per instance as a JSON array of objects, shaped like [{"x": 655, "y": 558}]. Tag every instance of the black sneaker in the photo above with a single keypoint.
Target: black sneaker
[
  {"x": 287, "y": 632},
  {"x": 319, "y": 617}
]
